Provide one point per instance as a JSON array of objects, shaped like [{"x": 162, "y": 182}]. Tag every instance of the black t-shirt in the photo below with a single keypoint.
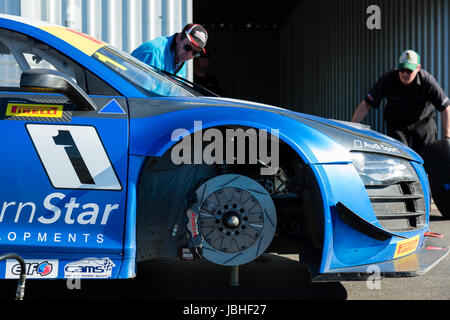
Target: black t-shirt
[{"x": 407, "y": 105}]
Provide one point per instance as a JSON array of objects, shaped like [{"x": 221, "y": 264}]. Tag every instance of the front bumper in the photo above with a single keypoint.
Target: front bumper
[{"x": 421, "y": 261}]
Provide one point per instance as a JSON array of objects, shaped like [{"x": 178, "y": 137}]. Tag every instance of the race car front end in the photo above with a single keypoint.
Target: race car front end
[{"x": 379, "y": 208}]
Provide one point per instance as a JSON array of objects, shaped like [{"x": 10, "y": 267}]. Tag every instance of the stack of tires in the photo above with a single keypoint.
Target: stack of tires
[{"x": 437, "y": 165}]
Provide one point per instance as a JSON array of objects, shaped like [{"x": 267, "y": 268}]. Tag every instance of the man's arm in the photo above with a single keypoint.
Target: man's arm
[
  {"x": 445, "y": 120},
  {"x": 440, "y": 101},
  {"x": 361, "y": 112}
]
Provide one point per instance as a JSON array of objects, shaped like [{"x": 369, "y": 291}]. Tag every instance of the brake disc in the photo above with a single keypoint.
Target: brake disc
[{"x": 236, "y": 219}]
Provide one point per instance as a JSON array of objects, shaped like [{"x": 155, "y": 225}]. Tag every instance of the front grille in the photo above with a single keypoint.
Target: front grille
[{"x": 399, "y": 206}]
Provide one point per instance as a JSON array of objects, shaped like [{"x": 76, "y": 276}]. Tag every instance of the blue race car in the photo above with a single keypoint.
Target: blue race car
[{"x": 108, "y": 162}]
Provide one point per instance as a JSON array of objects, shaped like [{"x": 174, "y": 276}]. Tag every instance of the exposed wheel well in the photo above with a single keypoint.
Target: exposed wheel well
[{"x": 165, "y": 192}]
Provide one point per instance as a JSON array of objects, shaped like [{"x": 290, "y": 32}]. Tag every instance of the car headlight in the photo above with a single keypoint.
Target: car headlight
[{"x": 377, "y": 169}]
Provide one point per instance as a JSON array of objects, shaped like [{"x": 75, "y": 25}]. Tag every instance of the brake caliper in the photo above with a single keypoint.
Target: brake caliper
[{"x": 194, "y": 238}]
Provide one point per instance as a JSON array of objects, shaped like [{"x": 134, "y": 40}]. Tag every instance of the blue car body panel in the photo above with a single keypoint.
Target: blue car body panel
[
  {"x": 39, "y": 218},
  {"x": 92, "y": 231},
  {"x": 308, "y": 142}
]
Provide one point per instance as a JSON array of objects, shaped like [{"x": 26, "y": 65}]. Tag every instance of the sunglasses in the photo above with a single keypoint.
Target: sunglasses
[
  {"x": 405, "y": 71},
  {"x": 188, "y": 48}
]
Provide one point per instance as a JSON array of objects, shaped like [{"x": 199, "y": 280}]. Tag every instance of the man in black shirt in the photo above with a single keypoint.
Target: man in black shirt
[{"x": 412, "y": 94}]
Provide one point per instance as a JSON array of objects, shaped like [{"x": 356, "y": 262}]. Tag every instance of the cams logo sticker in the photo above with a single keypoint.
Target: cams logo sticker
[
  {"x": 89, "y": 268},
  {"x": 35, "y": 269},
  {"x": 34, "y": 110},
  {"x": 74, "y": 157}
]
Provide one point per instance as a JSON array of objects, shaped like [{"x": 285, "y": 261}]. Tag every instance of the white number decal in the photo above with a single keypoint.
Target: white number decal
[{"x": 74, "y": 157}]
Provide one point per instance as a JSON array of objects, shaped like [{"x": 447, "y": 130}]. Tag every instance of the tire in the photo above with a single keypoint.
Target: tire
[{"x": 437, "y": 165}]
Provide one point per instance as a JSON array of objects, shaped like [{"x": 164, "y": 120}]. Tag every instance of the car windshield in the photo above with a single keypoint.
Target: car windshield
[{"x": 146, "y": 78}]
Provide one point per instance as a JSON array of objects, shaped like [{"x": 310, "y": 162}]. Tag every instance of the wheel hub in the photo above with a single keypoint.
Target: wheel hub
[{"x": 231, "y": 220}]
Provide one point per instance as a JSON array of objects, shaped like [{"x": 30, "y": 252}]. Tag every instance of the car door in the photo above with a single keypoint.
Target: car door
[{"x": 64, "y": 169}]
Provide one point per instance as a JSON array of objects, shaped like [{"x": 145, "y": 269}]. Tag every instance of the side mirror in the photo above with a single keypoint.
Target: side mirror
[{"x": 52, "y": 81}]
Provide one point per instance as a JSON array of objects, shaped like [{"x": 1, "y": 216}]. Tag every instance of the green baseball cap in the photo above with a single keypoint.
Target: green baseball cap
[{"x": 409, "y": 59}]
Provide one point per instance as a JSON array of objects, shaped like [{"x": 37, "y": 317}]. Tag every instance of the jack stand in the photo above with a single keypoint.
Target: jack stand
[{"x": 234, "y": 276}]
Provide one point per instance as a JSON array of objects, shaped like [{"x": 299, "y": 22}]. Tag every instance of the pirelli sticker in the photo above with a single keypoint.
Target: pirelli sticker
[
  {"x": 34, "y": 110},
  {"x": 407, "y": 246}
]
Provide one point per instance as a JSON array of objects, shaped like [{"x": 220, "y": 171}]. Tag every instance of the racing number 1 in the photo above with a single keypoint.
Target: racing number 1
[
  {"x": 64, "y": 138},
  {"x": 73, "y": 157}
]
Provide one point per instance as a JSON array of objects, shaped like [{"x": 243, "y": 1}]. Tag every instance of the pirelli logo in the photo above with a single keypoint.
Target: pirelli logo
[
  {"x": 34, "y": 110},
  {"x": 406, "y": 246}
]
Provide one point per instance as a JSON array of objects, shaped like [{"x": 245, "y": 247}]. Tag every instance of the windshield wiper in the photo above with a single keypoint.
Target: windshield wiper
[{"x": 202, "y": 90}]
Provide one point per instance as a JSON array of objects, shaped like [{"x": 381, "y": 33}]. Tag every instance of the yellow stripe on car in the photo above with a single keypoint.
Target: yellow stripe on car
[
  {"x": 81, "y": 41},
  {"x": 105, "y": 59}
]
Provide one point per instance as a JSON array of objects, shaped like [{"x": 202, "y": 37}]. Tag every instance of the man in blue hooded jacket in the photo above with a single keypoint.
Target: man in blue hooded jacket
[{"x": 170, "y": 53}]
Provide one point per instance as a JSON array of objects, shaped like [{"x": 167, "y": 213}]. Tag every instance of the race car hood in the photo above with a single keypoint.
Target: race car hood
[{"x": 350, "y": 136}]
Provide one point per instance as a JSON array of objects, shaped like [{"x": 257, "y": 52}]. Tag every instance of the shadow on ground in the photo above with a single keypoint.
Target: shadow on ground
[{"x": 270, "y": 277}]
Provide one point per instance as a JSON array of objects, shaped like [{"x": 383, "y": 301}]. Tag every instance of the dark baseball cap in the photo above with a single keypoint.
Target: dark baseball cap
[{"x": 196, "y": 34}]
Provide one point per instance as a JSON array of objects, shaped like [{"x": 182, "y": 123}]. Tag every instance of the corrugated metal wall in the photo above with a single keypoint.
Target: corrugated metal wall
[
  {"x": 329, "y": 59},
  {"x": 123, "y": 23},
  {"x": 244, "y": 43},
  {"x": 321, "y": 59},
  {"x": 245, "y": 58}
]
